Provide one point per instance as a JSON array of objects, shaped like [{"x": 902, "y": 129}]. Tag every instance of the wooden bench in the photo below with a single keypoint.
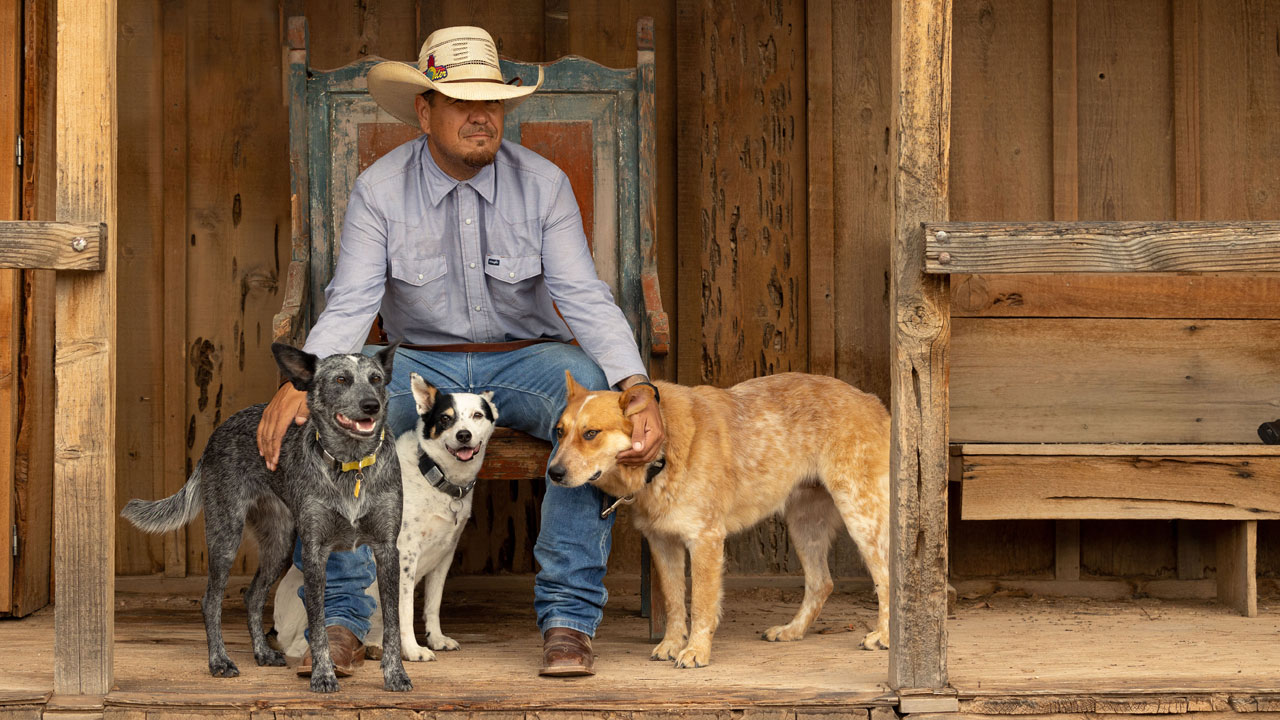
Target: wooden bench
[
  {"x": 1201, "y": 461},
  {"x": 596, "y": 123}
]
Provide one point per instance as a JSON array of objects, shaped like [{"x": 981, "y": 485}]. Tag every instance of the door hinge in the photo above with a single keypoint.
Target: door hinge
[
  {"x": 19, "y": 151},
  {"x": 15, "y": 539}
]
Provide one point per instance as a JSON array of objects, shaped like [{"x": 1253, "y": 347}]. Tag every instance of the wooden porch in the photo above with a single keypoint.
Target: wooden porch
[{"x": 1011, "y": 653}]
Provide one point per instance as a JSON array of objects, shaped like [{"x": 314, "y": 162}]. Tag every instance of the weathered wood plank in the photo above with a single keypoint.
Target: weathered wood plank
[
  {"x": 172, "y": 464},
  {"x": 1103, "y": 381},
  {"x": 1136, "y": 487},
  {"x": 1119, "y": 449},
  {"x": 1066, "y": 114},
  {"x": 821, "y": 186},
  {"x": 1186, "y": 109},
  {"x": 1101, "y": 247},
  {"x": 1238, "y": 567},
  {"x": 33, "y": 480},
  {"x": 53, "y": 245},
  {"x": 690, "y": 365},
  {"x": 920, "y": 348},
  {"x": 85, "y": 467},
  {"x": 11, "y": 305}
]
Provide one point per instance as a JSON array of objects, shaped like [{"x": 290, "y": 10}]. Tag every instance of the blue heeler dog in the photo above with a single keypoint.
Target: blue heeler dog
[{"x": 337, "y": 485}]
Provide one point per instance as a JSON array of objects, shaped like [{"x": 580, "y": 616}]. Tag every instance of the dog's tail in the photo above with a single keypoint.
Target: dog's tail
[{"x": 171, "y": 513}]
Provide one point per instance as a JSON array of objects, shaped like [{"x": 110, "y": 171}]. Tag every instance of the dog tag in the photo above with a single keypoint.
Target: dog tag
[{"x": 456, "y": 506}]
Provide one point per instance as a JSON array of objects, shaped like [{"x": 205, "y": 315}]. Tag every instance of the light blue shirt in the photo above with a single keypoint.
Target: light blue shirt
[{"x": 488, "y": 259}]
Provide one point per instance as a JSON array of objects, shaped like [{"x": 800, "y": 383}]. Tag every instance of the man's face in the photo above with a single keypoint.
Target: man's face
[{"x": 464, "y": 134}]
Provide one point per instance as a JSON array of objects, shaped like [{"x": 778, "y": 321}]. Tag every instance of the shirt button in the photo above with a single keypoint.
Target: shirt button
[
  {"x": 473, "y": 265},
  {"x": 467, "y": 221},
  {"x": 477, "y": 308},
  {"x": 511, "y": 274},
  {"x": 419, "y": 276}
]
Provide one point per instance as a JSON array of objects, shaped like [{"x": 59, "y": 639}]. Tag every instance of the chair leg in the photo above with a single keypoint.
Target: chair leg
[{"x": 1238, "y": 566}]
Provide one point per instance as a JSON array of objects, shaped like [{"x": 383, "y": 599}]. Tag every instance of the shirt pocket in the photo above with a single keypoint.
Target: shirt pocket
[
  {"x": 513, "y": 282},
  {"x": 420, "y": 282}
]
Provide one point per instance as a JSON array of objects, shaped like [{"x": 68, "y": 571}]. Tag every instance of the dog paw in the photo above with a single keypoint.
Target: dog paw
[
  {"x": 416, "y": 653},
  {"x": 782, "y": 633},
  {"x": 442, "y": 642},
  {"x": 875, "y": 641},
  {"x": 327, "y": 684},
  {"x": 223, "y": 668},
  {"x": 666, "y": 650},
  {"x": 396, "y": 680},
  {"x": 272, "y": 658},
  {"x": 692, "y": 657}
]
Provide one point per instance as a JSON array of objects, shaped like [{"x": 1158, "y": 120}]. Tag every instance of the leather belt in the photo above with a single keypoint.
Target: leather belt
[{"x": 483, "y": 347}]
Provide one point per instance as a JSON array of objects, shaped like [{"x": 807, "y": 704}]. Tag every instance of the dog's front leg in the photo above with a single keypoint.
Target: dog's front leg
[
  {"x": 314, "y": 558},
  {"x": 668, "y": 564},
  {"x": 409, "y": 648},
  {"x": 394, "y": 677},
  {"x": 706, "y": 554}
]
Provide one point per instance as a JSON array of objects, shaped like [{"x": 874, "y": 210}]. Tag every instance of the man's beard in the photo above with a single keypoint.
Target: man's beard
[{"x": 479, "y": 158}]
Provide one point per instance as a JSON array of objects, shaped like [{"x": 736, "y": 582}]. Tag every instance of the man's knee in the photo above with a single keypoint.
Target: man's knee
[{"x": 585, "y": 371}]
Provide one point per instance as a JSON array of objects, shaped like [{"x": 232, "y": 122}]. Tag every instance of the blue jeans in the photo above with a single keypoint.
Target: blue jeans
[{"x": 573, "y": 541}]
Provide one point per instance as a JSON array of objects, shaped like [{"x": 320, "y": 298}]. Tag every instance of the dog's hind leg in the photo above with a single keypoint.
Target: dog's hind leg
[
  {"x": 273, "y": 527},
  {"x": 668, "y": 564},
  {"x": 223, "y": 533},
  {"x": 811, "y": 521},
  {"x": 866, "y": 517},
  {"x": 394, "y": 678}
]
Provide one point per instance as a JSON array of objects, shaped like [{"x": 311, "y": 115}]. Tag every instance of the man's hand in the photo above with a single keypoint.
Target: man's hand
[
  {"x": 288, "y": 405},
  {"x": 647, "y": 432}
]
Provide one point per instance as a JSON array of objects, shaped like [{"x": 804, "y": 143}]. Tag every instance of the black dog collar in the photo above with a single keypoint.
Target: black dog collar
[
  {"x": 434, "y": 475},
  {"x": 654, "y": 468}
]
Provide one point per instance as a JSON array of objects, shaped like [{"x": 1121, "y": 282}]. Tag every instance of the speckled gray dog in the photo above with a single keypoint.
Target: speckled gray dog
[{"x": 311, "y": 494}]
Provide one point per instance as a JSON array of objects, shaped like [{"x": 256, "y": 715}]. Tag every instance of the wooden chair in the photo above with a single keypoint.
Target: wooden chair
[{"x": 596, "y": 123}]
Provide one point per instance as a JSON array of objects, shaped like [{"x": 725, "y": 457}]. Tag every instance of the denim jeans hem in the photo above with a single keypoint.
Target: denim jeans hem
[
  {"x": 564, "y": 622},
  {"x": 355, "y": 629}
]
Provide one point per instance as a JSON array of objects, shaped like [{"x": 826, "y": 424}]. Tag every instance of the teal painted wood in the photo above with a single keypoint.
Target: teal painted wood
[{"x": 327, "y": 107}]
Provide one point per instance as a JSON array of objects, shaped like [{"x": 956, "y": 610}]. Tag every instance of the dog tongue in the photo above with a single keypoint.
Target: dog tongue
[
  {"x": 465, "y": 453},
  {"x": 365, "y": 425}
]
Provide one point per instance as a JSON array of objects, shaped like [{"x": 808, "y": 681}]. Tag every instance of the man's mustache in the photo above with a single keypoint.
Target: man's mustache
[{"x": 478, "y": 130}]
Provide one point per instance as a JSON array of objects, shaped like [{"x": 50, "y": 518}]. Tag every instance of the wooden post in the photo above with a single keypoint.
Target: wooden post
[
  {"x": 85, "y": 442},
  {"x": 1238, "y": 566},
  {"x": 921, "y": 337}
]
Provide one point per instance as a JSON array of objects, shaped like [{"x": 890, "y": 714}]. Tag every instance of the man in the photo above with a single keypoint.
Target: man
[{"x": 473, "y": 252}]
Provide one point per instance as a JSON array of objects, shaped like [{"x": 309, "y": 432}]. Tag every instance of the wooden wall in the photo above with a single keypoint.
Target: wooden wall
[{"x": 774, "y": 217}]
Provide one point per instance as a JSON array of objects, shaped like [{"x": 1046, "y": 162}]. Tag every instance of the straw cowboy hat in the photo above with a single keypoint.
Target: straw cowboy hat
[{"x": 461, "y": 62}]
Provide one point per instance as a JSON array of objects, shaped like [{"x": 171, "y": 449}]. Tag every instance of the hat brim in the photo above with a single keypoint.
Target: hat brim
[{"x": 394, "y": 85}]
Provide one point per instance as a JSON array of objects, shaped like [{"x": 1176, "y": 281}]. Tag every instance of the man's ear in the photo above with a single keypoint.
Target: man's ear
[
  {"x": 386, "y": 357},
  {"x": 424, "y": 393},
  {"x": 634, "y": 399},
  {"x": 423, "y": 106},
  {"x": 298, "y": 366}
]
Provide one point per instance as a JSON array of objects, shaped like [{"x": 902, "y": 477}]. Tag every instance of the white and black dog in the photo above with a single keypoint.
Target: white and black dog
[{"x": 439, "y": 462}]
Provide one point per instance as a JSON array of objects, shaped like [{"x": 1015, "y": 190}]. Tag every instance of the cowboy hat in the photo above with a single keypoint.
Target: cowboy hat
[{"x": 461, "y": 62}]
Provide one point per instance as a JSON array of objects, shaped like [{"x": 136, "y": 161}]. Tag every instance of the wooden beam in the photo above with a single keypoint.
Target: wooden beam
[
  {"x": 690, "y": 62},
  {"x": 822, "y": 232},
  {"x": 35, "y": 245},
  {"x": 1141, "y": 487},
  {"x": 11, "y": 301},
  {"x": 85, "y": 441},
  {"x": 658, "y": 329},
  {"x": 921, "y": 47},
  {"x": 1238, "y": 567},
  {"x": 1066, "y": 115},
  {"x": 1119, "y": 449},
  {"x": 174, "y": 172},
  {"x": 1103, "y": 247}
]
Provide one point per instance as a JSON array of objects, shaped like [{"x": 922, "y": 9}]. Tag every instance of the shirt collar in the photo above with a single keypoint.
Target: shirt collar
[{"x": 440, "y": 183}]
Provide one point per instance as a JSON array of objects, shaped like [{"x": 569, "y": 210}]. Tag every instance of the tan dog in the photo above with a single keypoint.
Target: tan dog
[{"x": 811, "y": 447}]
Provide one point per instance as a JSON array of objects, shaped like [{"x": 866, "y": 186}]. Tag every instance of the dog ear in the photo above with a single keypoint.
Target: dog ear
[
  {"x": 634, "y": 399},
  {"x": 297, "y": 365},
  {"x": 386, "y": 356},
  {"x": 424, "y": 393},
  {"x": 572, "y": 387},
  {"x": 490, "y": 410}
]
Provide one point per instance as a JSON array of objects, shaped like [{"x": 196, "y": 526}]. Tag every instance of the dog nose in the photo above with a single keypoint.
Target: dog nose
[
  {"x": 370, "y": 406},
  {"x": 464, "y": 436},
  {"x": 556, "y": 473}
]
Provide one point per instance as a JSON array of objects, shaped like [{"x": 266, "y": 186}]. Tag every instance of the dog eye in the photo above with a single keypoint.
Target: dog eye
[
  {"x": 375, "y": 379},
  {"x": 590, "y": 434},
  {"x": 559, "y": 431},
  {"x": 341, "y": 379},
  {"x": 477, "y": 416}
]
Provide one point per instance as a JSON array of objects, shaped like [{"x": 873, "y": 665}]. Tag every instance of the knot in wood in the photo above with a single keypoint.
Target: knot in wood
[{"x": 919, "y": 320}]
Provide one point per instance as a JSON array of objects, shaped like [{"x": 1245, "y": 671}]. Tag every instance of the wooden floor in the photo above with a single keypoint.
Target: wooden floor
[{"x": 1009, "y": 654}]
